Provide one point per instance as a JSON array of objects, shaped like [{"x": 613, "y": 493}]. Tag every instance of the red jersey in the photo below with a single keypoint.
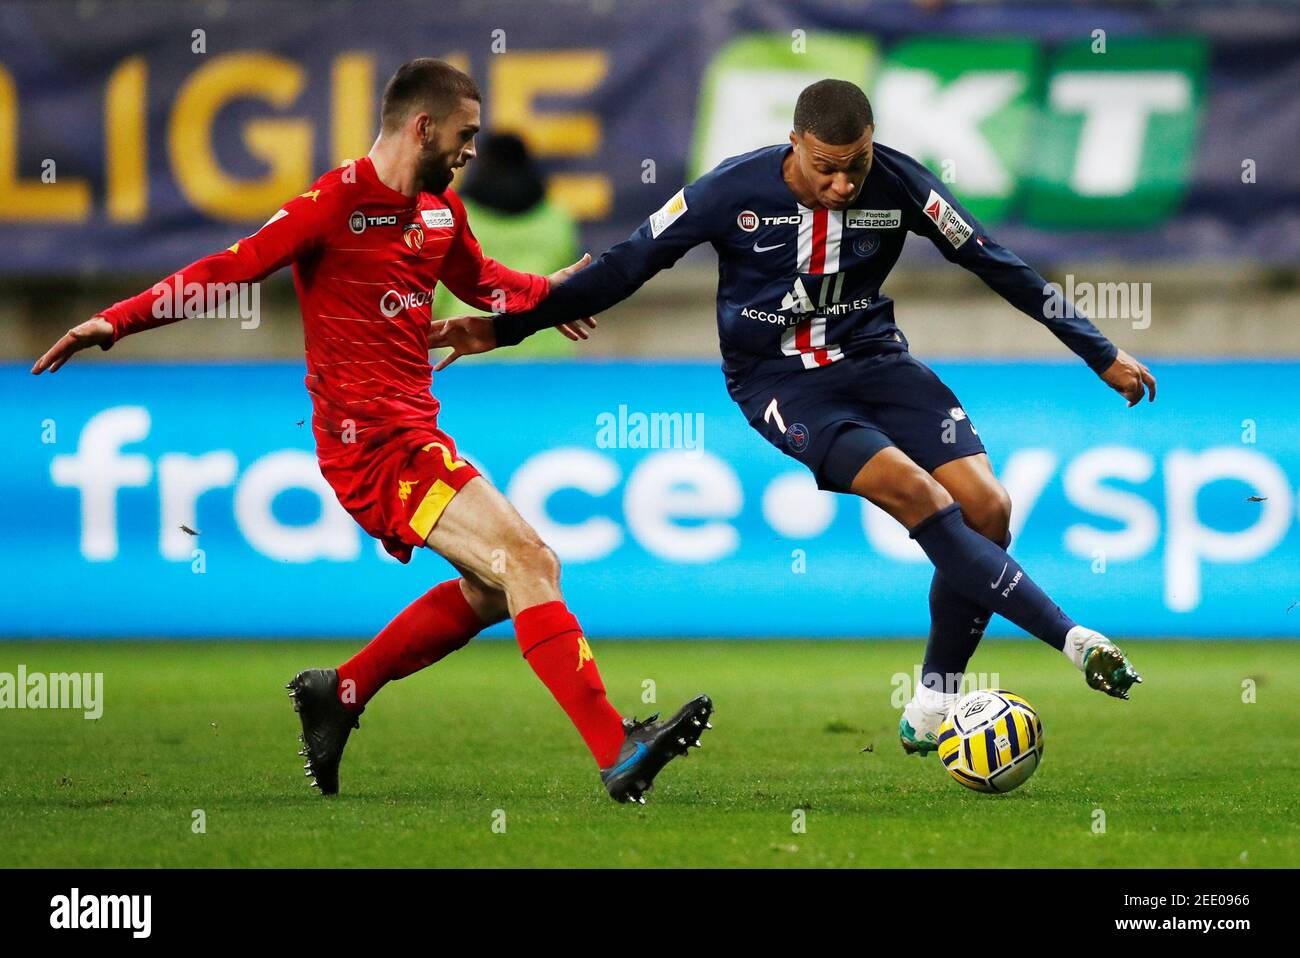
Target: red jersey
[{"x": 365, "y": 261}]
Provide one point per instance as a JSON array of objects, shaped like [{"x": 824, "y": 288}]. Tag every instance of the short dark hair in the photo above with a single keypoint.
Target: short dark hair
[
  {"x": 834, "y": 111},
  {"x": 424, "y": 84}
]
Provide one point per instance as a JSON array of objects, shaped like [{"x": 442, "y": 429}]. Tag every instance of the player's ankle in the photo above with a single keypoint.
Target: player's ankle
[
  {"x": 934, "y": 700},
  {"x": 1078, "y": 641}
]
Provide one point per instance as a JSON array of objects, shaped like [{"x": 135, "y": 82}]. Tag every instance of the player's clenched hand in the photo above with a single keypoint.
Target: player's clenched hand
[
  {"x": 95, "y": 331},
  {"x": 560, "y": 275},
  {"x": 1130, "y": 379},
  {"x": 466, "y": 335}
]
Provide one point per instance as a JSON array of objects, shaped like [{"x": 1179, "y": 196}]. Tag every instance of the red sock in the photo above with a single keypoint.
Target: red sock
[
  {"x": 433, "y": 626},
  {"x": 553, "y": 644}
]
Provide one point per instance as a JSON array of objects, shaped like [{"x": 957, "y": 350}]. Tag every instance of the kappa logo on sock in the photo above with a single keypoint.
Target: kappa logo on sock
[{"x": 584, "y": 653}]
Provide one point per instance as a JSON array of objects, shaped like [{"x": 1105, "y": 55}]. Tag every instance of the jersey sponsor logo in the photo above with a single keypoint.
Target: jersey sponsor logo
[
  {"x": 393, "y": 302},
  {"x": 359, "y": 222},
  {"x": 668, "y": 214},
  {"x": 780, "y": 220},
  {"x": 873, "y": 219},
  {"x": 413, "y": 235},
  {"x": 953, "y": 228},
  {"x": 438, "y": 219},
  {"x": 797, "y": 301},
  {"x": 765, "y": 249},
  {"x": 762, "y": 316},
  {"x": 747, "y": 221}
]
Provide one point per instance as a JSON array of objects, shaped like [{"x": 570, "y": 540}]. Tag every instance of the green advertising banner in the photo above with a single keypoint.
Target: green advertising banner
[{"x": 1096, "y": 134}]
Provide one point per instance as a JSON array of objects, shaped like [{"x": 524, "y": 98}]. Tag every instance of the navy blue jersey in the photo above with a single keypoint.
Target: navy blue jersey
[{"x": 799, "y": 288}]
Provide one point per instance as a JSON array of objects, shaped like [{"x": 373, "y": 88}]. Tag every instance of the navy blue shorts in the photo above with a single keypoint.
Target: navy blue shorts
[{"x": 859, "y": 405}]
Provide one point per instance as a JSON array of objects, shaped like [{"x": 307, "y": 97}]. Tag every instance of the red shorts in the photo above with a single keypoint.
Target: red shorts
[{"x": 397, "y": 492}]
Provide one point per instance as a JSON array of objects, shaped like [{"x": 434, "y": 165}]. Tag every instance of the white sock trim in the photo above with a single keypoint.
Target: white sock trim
[
  {"x": 934, "y": 701},
  {"x": 1077, "y": 643}
]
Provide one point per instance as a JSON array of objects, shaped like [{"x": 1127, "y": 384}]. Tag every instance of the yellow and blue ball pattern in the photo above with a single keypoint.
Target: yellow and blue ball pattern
[{"x": 991, "y": 741}]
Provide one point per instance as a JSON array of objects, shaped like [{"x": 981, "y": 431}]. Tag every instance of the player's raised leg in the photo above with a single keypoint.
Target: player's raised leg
[
  {"x": 480, "y": 532},
  {"x": 982, "y": 571},
  {"x": 956, "y": 623}
]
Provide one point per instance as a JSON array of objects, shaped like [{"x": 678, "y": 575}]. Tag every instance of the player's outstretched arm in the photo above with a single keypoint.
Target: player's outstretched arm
[
  {"x": 96, "y": 331},
  {"x": 937, "y": 215},
  {"x": 290, "y": 233},
  {"x": 471, "y": 334},
  {"x": 689, "y": 218}
]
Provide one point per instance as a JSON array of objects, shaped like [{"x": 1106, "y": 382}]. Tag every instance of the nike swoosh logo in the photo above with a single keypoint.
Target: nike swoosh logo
[
  {"x": 1004, "y": 572},
  {"x": 631, "y": 760},
  {"x": 764, "y": 249}
]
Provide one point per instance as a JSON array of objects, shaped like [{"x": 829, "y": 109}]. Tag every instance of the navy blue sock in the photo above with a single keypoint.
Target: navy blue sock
[
  {"x": 982, "y": 571},
  {"x": 956, "y": 626}
]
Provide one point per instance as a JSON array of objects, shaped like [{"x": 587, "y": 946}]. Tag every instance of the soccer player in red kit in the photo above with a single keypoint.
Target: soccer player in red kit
[{"x": 368, "y": 242}]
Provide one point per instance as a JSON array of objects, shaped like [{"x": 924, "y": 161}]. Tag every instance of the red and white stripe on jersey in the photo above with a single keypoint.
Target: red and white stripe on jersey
[
  {"x": 807, "y": 340},
  {"x": 820, "y": 232}
]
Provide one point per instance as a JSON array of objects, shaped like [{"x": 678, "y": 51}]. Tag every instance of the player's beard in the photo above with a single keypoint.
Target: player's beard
[{"x": 433, "y": 174}]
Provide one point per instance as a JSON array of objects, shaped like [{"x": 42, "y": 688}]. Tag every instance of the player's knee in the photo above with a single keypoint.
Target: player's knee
[
  {"x": 990, "y": 513},
  {"x": 532, "y": 560},
  {"x": 916, "y": 495}
]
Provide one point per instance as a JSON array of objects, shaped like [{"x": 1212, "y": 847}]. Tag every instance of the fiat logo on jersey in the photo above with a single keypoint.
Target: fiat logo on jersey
[
  {"x": 393, "y": 302},
  {"x": 413, "y": 233},
  {"x": 747, "y": 221}
]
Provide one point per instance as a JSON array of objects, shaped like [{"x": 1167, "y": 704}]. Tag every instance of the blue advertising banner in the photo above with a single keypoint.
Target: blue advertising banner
[
  {"x": 140, "y": 141},
  {"x": 170, "y": 500}
]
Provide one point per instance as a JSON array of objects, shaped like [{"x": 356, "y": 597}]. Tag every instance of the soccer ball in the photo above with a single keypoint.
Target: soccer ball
[{"x": 991, "y": 741}]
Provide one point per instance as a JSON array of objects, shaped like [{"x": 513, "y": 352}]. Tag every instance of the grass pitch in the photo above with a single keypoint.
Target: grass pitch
[{"x": 1186, "y": 774}]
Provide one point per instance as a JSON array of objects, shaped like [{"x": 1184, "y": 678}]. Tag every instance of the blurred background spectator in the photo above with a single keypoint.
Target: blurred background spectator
[{"x": 505, "y": 196}]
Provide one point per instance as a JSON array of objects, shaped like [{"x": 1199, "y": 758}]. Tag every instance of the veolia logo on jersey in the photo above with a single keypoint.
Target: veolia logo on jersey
[
  {"x": 393, "y": 302},
  {"x": 747, "y": 221}
]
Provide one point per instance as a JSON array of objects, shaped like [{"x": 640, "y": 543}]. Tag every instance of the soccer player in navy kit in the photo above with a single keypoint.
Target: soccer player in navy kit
[{"x": 806, "y": 234}]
